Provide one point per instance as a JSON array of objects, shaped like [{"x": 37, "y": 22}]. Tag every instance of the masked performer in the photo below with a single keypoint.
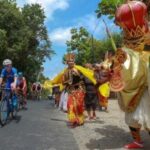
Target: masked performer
[
  {"x": 102, "y": 75},
  {"x": 131, "y": 70},
  {"x": 73, "y": 83},
  {"x": 91, "y": 96}
]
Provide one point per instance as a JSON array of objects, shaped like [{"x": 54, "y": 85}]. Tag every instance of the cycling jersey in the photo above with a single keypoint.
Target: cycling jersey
[
  {"x": 21, "y": 82},
  {"x": 33, "y": 87},
  {"x": 9, "y": 76},
  {"x": 39, "y": 87}
]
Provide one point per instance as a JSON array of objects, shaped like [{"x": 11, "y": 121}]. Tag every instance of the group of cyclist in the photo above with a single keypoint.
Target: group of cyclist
[{"x": 14, "y": 81}]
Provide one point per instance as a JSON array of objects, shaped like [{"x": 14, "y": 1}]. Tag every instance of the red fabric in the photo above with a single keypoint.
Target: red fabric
[
  {"x": 103, "y": 101},
  {"x": 76, "y": 100},
  {"x": 33, "y": 87},
  {"x": 21, "y": 85},
  {"x": 39, "y": 88},
  {"x": 134, "y": 145},
  {"x": 131, "y": 15}
]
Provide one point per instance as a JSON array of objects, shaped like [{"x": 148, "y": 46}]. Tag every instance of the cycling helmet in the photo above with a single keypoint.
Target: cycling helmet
[
  {"x": 7, "y": 62},
  {"x": 20, "y": 74}
]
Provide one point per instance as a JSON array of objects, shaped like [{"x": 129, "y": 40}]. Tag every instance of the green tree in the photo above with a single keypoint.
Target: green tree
[
  {"x": 24, "y": 37},
  {"x": 108, "y": 7},
  {"x": 78, "y": 39},
  {"x": 87, "y": 48},
  {"x": 81, "y": 43}
]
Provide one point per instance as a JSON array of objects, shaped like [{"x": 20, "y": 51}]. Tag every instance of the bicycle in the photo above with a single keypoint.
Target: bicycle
[
  {"x": 38, "y": 95},
  {"x": 21, "y": 102},
  {"x": 8, "y": 105}
]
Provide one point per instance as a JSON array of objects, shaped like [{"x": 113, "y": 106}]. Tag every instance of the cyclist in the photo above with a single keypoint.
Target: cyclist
[
  {"x": 22, "y": 87},
  {"x": 38, "y": 87},
  {"x": 33, "y": 88},
  {"x": 38, "y": 90},
  {"x": 9, "y": 77}
]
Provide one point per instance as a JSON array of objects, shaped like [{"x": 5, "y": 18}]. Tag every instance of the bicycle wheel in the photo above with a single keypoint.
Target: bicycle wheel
[
  {"x": 20, "y": 102},
  {"x": 15, "y": 105},
  {"x": 3, "y": 111},
  {"x": 14, "y": 113}
]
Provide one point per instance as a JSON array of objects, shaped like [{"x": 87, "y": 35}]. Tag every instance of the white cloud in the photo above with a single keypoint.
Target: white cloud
[
  {"x": 50, "y": 6},
  {"x": 97, "y": 26},
  {"x": 60, "y": 35},
  {"x": 90, "y": 22}
]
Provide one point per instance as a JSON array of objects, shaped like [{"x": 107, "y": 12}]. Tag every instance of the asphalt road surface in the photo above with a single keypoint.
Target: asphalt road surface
[
  {"x": 43, "y": 127},
  {"x": 38, "y": 128}
]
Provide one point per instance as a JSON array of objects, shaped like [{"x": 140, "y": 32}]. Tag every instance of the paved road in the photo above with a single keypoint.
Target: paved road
[
  {"x": 108, "y": 132},
  {"x": 41, "y": 127}
]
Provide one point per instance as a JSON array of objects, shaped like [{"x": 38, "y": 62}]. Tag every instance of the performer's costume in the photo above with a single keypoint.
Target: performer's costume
[
  {"x": 91, "y": 97},
  {"x": 74, "y": 85},
  {"x": 131, "y": 70},
  {"x": 72, "y": 79},
  {"x": 102, "y": 77}
]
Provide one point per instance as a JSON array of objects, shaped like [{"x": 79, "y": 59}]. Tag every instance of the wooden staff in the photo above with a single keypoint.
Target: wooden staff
[{"x": 110, "y": 36}]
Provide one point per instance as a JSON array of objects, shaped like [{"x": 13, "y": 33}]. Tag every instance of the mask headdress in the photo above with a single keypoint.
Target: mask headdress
[
  {"x": 131, "y": 17},
  {"x": 70, "y": 57},
  {"x": 105, "y": 65}
]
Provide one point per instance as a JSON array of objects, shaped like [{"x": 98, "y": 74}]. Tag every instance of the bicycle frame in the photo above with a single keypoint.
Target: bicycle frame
[
  {"x": 9, "y": 97},
  {"x": 20, "y": 98}
]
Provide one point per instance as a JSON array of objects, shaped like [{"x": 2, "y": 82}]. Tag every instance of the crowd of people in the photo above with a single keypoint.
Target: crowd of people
[
  {"x": 79, "y": 93},
  {"x": 14, "y": 81},
  {"x": 127, "y": 73},
  {"x": 14, "y": 85},
  {"x": 36, "y": 90}
]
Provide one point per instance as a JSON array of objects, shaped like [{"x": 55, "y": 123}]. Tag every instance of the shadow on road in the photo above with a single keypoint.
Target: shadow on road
[
  {"x": 61, "y": 120},
  {"x": 111, "y": 137},
  {"x": 17, "y": 119}
]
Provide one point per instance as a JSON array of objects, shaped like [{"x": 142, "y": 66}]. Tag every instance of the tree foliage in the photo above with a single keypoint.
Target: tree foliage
[
  {"x": 108, "y": 7},
  {"x": 87, "y": 48},
  {"x": 23, "y": 37},
  {"x": 80, "y": 44}
]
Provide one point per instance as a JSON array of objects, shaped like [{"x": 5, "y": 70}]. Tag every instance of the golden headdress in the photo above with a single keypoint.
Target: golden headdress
[
  {"x": 132, "y": 18},
  {"x": 70, "y": 57}
]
